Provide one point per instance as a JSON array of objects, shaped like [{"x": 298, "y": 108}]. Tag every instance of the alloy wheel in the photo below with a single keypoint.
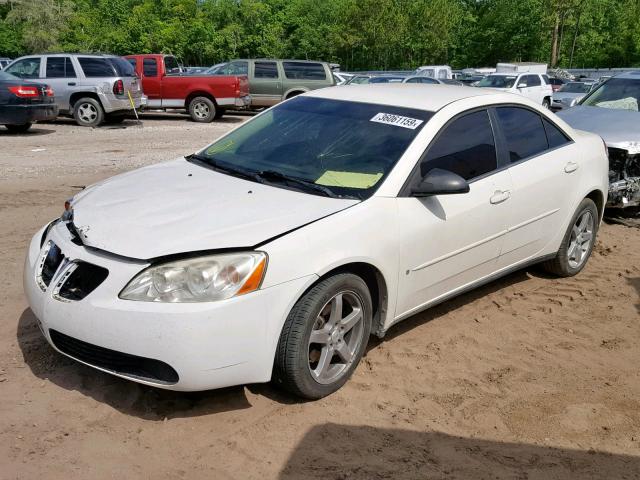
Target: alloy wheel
[
  {"x": 201, "y": 110},
  {"x": 336, "y": 337},
  {"x": 581, "y": 239},
  {"x": 87, "y": 113}
]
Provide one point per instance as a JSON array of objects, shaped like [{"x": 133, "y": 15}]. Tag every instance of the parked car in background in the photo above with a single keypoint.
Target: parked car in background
[
  {"x": 570, "y": 94},
  {"x": 261, "y": 257},
  {"x": 556, "y": 83},
  {"x": 432, "y": 81},
  {"x": 342, "y": 78},
  {"x": 4, "y": 61},
  {"x": 194, "y": 70},
  {"x": 205, "y": 97},
  {"x": 531, "y": 85},
  {"x": 90, "y": 88},
  {"x": 470, "y": 80},
  {"x": 363, "y": 79},
  {"x": 22, "y": 103},
  {"x": 434, "y": 71},
  {"x": 612, "y": 111},
  {"x": 272, "y": 81}
]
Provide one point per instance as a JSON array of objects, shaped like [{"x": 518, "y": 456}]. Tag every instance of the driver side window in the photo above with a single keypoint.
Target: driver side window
[{"x": 466, "y": 146}]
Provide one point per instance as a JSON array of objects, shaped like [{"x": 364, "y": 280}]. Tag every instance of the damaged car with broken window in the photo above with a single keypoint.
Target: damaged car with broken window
[
  {"x": 275, "y": 252},
  {"x": 612, "y": 111}
]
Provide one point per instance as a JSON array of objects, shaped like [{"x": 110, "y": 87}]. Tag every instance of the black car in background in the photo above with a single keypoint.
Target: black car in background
[{"x": 22, "y": 103}]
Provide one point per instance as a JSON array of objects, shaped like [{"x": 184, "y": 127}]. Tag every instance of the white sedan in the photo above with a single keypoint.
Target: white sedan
[{"x": 275, "y": 252}]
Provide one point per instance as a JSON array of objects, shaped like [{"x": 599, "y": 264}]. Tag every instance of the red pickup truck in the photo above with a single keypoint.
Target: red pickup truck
[{"x": 204, "y": 97}]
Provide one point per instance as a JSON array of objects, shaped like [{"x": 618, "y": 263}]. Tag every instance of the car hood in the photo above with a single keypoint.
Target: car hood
[
  {"x": 177, "y": 207},
  {"x": 618, "y": 128}
]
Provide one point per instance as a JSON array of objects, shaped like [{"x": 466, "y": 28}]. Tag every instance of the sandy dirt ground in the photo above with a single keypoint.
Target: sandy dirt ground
[{"x": 529, "y": 377}]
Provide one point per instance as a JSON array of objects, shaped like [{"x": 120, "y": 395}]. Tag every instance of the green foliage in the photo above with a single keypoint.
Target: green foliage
[{"x": 359, "y": 34}]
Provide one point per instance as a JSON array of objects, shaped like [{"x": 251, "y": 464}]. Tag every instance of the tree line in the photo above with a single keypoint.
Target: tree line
[{"x": 358, "y": 34}]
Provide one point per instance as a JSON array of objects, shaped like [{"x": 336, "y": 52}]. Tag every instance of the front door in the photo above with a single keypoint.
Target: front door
[
  {"x": 450, "y": 241},
  {"x": 265, "y": 83}
]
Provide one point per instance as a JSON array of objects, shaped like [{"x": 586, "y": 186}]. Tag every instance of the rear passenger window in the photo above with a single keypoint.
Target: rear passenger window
[
  {"x": 523, "y": 132},
  {"x": 60, "y": 67},
  {"x": 466, "y": 147},
  {"x": 555, "y": 137},
  {"x": 96, "y": 67},
  {"x": 266, "y": 70},
  {"x": 150, "y": 67},
  {"x": 304, "y": 71}
]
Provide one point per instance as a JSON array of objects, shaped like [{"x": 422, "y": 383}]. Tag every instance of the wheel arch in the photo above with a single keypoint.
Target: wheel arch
[
  {"x": 294, "y": 91},
  {"x": 598, "y": 198},
  {"x": 199, "y": 93},
  {"x": 75, "y": 96},
  {"x": 376, "y": 283}
]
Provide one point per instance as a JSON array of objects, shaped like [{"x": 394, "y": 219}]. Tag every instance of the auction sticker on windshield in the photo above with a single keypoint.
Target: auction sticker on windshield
[{"x": 397, "y": 120}]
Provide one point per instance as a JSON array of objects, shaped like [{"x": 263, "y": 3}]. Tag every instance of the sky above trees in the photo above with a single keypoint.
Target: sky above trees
[{"x": 358, "y": 34}]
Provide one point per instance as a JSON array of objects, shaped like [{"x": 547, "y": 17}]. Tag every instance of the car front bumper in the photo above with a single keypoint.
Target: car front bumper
[
  {"x": 22, "y": 114},
  {"x": 207, "y": 345}
]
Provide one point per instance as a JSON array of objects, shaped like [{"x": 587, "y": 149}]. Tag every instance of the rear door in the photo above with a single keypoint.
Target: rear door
[
  {"x": 265, "y": 83},
  {"x": 304, "y": 76},
  {"x": 543, "y": 172},
  {"x": 61, "y": 75}
]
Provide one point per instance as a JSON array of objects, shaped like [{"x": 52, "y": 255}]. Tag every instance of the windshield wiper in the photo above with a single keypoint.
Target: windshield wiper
[
  {"x": 219, "y": 167},
  {"x": 272, "y": 175}
]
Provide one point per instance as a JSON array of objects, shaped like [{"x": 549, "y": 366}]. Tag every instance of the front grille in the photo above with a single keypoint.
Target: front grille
[
  {"x": 117, "y": 362},
  {"x": 51, "y": 263},
  {"x": 74, "y": 279},
  {"x": 84, "y": 279}
]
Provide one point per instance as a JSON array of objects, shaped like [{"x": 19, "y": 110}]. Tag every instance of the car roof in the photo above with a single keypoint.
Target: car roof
[
  {"x": 635, "y": 75},
  {"x": 409, "y": 95}
]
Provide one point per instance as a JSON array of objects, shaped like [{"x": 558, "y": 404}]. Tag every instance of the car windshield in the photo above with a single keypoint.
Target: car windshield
[
  {"x": 574, "y": 87},
  {"x": 331, "y": 147},
  {"x": 498, "y": 81},
  {"x": 616, "y": 93}
]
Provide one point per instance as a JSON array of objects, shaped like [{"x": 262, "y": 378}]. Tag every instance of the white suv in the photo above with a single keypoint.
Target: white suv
[{"x": 534, "y": 86}]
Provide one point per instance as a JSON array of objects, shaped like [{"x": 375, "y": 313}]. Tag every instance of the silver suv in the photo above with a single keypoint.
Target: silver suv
[{"x": 91, "y": 88}]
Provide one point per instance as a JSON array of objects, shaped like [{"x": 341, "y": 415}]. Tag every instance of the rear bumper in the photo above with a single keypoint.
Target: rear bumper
[
  {"x": 238, "y": 102},
  {"x": 21, "y": 114},
  {"x": 112, "y": 103}
]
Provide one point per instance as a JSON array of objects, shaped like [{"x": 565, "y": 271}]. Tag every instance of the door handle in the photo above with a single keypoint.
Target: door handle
[
  {"x": 500, "y": 196},
  {"x": 72, "y": 84},
  {"x": 571, "y": 167}
]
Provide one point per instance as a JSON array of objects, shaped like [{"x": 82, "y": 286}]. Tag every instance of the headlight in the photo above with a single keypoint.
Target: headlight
[{"x": 201, "y": 279}]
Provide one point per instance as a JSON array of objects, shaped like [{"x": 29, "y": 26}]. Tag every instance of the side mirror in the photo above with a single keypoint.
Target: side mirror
[{"x": 440, "y": 182}]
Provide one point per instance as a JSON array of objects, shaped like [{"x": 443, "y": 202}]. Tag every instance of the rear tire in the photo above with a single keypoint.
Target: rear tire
[
  {"x": 324, "y": 337},
  {"x": 19, "y": 128},
  {"x": 88, "y": 112},
  {"x": 578, "y": 242},
  {"x": 202, "y": 110}
]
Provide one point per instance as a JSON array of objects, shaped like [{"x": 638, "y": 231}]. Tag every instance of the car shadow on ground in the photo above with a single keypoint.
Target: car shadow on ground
[
  {"x": 32, "y": 132},
  {"x": 333, "y": 451},
  {"x": 156, "y": 404},
  {"x": 635, "y": 283}
]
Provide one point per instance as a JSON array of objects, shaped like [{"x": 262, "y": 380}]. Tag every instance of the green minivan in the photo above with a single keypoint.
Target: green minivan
[{"x": 271, "y": 81}]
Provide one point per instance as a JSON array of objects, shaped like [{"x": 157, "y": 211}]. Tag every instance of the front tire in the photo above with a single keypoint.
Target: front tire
[
  {"x": 546, "y": 103},
  {"x": 202, "y": 110},
  {"x": 324, "y": 337},
  {"x": 578, "y": 242},
  {"x": 19, "y": 128},
  {"x": 88, "y": 112}
]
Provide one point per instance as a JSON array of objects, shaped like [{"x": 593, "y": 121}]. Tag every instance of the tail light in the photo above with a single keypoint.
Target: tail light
[
  {"x": 118, "y": 87},
  {"x": 48, "y": 91},
  {"x": 23, "y": 91}
]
